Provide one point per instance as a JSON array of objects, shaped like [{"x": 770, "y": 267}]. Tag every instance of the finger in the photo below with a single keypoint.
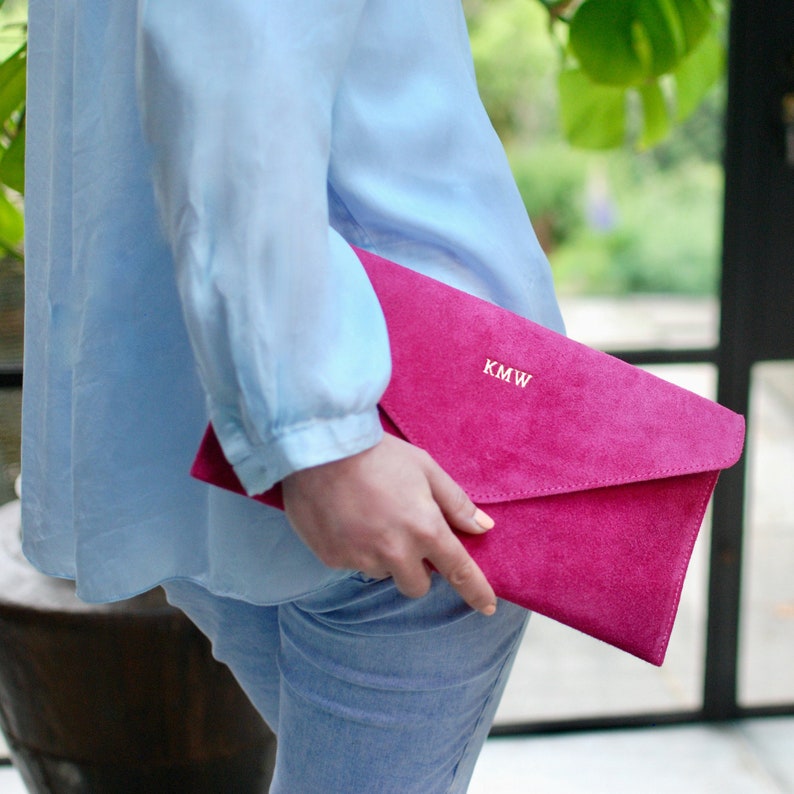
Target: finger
[
  {"x": 454, "y": 563},
  {"x": 413, "y": 581},
  {"x": 461, "y": 513}
]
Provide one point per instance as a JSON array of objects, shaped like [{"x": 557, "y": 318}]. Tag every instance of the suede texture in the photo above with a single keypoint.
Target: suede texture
[{"x": 597, "y": 473}]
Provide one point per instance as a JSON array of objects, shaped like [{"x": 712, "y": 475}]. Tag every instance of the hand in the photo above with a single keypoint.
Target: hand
[{"x": 389, "y": 511}]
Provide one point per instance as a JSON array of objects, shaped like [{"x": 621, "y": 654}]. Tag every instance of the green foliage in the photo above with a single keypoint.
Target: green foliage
[
  {"x": 666, "y": 52},
  {"x": 12, "y": 137},
  {"x": 550, "y": 178},
  {"x": 512, "y": 51},
  {"x": 625, "y": 218},
  {"x": 662, "y": 235},
  {"x": 627, "y": 42},
  {"x": 618, "y": 222},
  {"x": 628, "y": 70},
  {"x": 592, "y": 115},
  {"x": 12, "y": 118}
]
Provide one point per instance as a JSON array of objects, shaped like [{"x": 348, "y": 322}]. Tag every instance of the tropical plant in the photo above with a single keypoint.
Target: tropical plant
[{"x": 660, "y": 55}]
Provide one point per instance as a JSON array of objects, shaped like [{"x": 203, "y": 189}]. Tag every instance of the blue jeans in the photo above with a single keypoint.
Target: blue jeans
[{"x": 367, "y": 691}]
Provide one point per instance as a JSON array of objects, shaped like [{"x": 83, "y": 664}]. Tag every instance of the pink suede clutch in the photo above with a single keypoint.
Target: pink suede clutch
[{"x": 597, "y": 473}]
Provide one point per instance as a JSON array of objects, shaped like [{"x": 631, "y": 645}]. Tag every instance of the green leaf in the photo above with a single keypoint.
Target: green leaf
[
  {"x": 657, "y": 36},
  {"x": 655, "y": 114},
  {"x": 12, "y": 165},
  {"x": 593, "y": 116},
  {"x": 12, "y": 226},
  {"x": 696, "y": 19},
  {"x": 602, "y": 40},
  {"x": 697, "y": 73},
  {"x": 625, "y": 42},
  {"x": 12, "y": 83}
]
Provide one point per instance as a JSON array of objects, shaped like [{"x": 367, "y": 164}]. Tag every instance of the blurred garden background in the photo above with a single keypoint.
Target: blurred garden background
[{"x": 628, "y": 218}]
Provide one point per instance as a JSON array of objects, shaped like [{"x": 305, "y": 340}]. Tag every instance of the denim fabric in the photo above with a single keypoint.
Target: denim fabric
[{"x": 368, "y": 691}]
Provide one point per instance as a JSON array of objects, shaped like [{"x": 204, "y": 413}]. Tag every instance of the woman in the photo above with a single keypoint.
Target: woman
[{"x": 197, "y": 174}]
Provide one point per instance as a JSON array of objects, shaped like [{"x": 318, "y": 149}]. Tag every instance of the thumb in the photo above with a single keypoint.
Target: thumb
[{"x": 460, "y": 512}]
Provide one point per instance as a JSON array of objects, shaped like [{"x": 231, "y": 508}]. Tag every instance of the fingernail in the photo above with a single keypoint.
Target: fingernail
[
  {"x": 483, "y": 519},
  {"x": 489, "y": 610}
]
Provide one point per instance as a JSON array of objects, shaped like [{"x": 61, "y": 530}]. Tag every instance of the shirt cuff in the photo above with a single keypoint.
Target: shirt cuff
[{"x": 301, "y": 446}]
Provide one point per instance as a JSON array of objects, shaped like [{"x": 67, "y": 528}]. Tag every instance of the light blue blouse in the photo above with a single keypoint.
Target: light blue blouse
[{"x": 196, "y": 174}]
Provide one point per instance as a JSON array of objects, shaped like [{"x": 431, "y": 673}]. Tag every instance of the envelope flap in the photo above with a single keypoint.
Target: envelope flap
[{"x": 512, "y": 410}]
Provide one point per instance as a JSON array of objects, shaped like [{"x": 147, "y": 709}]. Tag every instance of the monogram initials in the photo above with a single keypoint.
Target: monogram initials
[{"x": 508, "y": 374}]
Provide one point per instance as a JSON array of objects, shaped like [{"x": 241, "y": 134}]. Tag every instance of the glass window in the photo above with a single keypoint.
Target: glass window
[{"x": 766, "y": 672}]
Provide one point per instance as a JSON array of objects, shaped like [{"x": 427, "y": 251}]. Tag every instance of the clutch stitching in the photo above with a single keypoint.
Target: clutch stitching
[
  {"x": 684, "y": 564},
  {"x": 704, "y": 467}
]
